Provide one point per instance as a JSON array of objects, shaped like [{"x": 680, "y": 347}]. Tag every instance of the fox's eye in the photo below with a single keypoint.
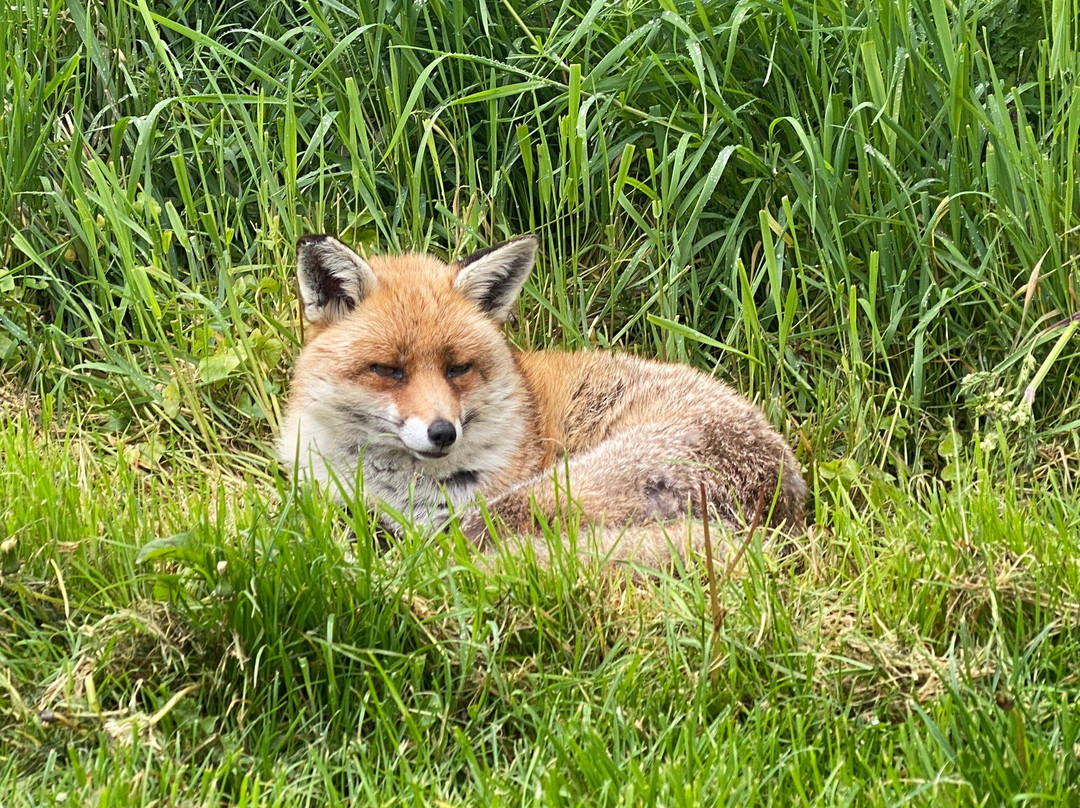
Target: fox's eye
[
  {"x": 388, "y": 371},
  {"x": 454, "y": 371}
]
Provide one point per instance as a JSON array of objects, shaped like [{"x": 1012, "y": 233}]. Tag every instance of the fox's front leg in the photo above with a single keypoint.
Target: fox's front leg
[{"x": 644, "y": 474}]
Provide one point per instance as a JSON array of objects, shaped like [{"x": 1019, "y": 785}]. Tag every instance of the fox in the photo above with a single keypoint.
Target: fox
[{"x": 407, "y": 387}]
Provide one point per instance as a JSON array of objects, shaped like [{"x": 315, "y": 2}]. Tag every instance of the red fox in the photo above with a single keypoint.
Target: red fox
[{"x": 407, "y": 385}]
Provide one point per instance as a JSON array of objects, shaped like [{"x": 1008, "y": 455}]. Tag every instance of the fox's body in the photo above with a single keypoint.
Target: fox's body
[{"x": 407, "y": 375}]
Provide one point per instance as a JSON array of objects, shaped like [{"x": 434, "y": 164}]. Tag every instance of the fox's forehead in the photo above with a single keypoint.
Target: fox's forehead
[
  {"x": 413, "y": 318},
  {"x": 412, "y": 270}
]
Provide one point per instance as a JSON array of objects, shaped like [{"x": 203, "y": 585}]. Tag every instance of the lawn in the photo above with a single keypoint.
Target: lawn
[{"x": 864, "y": 215}]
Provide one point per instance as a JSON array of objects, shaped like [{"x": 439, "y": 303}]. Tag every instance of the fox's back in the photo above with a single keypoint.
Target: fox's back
[{"x": 585, "y": 398}]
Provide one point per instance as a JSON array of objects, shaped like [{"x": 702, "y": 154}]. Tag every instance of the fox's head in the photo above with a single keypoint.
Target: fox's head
[{"x": 405, "y": 356}]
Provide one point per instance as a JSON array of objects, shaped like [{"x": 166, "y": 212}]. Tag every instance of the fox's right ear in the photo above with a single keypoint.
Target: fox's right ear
[
  {"x": 332, "y": 278},
  {"x": 493, "y": 277}
]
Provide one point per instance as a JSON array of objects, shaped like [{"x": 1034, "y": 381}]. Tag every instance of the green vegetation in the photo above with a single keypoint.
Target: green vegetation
[{"x": 864, "y": 215}]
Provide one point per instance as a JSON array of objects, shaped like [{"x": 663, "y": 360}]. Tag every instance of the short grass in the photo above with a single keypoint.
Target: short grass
[{"x": 862, "y": 214}]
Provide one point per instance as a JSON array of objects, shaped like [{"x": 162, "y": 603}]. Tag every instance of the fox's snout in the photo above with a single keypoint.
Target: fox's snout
[
  {"x": 432, "y": 439},
  {"x": 442, "y": 433}
]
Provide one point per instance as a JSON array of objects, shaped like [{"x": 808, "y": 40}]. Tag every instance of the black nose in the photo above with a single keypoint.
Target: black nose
[{"x": 442, "y": 433}]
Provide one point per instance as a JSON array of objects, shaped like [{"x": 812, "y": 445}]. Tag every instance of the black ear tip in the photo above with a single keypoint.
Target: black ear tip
[
  {"x": 312, "y": 240},
  {"x": 528, "y": 241}
]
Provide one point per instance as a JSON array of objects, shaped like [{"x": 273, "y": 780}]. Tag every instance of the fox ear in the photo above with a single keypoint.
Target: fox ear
[
  {"x": 494, "y": 277},
  {"x": 333, "y": 278}
]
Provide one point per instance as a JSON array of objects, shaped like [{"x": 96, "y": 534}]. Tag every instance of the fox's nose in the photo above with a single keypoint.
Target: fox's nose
[{"x": 442, "y": 433}]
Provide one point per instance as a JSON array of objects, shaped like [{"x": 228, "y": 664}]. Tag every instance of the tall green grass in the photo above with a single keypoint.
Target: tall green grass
[{"x": 879, "y": 189}]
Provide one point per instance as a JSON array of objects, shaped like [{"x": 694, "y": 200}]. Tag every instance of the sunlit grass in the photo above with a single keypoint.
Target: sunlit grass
[{"x": 219, "y": 634}]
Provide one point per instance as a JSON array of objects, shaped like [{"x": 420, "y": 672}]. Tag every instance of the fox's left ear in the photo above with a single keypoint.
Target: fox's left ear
[
  {"x": 333, "y": 279},
  {"x": 494, "y": 277}
]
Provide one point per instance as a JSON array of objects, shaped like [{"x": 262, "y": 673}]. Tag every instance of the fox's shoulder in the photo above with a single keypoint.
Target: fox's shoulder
[
  {"x": 582, "y": 396},
  {"x": 560, "y": 377},
  {"x": 574, "y": 374}
]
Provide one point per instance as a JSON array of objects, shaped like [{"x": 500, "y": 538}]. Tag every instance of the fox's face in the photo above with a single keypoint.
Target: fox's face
[{"x": 406, "y": 364}]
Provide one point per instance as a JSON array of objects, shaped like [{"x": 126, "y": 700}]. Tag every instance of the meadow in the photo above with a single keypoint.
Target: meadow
[{"x": 862, "y": 214}]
